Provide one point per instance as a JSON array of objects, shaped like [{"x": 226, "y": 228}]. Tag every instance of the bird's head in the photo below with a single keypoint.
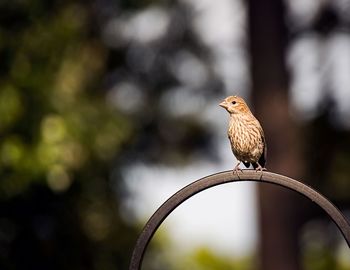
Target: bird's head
[{"x": 235, "y": 105}]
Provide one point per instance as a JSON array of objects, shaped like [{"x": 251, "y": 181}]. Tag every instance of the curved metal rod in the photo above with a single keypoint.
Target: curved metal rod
[{"x": 226, "y": 177}]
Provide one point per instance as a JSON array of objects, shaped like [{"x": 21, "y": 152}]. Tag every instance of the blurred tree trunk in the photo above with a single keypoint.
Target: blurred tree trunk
[{"x": 279, "y": 217}]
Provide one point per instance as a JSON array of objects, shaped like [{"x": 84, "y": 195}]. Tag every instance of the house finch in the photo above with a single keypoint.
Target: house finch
[{"x": 245, "y": 134}]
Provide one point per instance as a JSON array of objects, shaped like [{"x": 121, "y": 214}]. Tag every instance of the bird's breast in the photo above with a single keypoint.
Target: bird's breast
[{"x": 246, "y": 139}]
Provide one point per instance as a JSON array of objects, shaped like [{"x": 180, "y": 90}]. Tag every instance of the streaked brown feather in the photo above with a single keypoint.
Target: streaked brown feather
[{"x": 245, "y": 133}]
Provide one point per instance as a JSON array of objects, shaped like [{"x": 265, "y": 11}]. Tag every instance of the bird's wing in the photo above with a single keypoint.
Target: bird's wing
[{"x": 262, "y": 159}]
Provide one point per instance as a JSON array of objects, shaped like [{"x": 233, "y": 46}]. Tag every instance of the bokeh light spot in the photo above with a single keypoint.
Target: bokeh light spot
[
  {"x": 58, "y": 178},
  {"x": 53, "y": 128}
]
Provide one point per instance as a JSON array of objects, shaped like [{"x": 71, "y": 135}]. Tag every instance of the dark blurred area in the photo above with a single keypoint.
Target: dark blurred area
[
  {"x": 77, "y": 102},
  {"x": 89, "y": 87},
  {"x": 305, "y": 45}
]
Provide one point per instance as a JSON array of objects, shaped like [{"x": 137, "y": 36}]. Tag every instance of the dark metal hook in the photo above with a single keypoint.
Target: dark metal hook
[{"x": 226, "y": 177}]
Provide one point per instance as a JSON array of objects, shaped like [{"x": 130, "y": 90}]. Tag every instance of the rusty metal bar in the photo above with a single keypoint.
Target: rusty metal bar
[{"x": 226, "y": 177}]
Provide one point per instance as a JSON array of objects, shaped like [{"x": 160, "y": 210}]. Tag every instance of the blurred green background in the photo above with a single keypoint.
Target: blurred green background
[{"x": 88, "y": 88}]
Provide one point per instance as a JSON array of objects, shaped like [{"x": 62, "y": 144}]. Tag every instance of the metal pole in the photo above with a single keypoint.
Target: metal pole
[{"x": 226, "y": 177}]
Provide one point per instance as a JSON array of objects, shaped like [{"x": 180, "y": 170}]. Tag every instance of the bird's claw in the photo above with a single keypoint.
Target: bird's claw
[
  {"x": 236, "y": 169},
  {"x": 260, "y": 168}
]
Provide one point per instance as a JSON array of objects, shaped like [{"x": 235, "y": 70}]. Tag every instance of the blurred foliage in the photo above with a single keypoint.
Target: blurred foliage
[
  {"x": 323, "y": 247},
  {"x": 67, "y": 126},
  {"x": 206, "y": 259},
  {"x": 320, "y": 257},
  {"x": 164, "y": 255},
  {"x": 54, "y": 120},
  {"x": 58, "y": 139}
]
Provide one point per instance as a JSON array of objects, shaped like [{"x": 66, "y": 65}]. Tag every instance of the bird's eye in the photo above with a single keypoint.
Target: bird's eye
[{"x": 233, "y": 102}]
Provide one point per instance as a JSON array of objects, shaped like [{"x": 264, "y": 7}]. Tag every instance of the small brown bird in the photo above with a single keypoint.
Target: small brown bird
[{"x": 245, "y": 134}]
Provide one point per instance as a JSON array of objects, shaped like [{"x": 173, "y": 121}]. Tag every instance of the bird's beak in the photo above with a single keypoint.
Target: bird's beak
[{"x": 224, "y": 104}]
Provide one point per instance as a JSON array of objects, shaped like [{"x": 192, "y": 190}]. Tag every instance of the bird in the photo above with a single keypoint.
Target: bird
[{"x": 246, "y": 135}]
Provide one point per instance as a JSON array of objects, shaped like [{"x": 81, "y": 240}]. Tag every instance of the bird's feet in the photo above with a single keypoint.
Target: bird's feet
[
  {"x": 260, "y": 168},
  {"x": 236, "y": 169}
]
